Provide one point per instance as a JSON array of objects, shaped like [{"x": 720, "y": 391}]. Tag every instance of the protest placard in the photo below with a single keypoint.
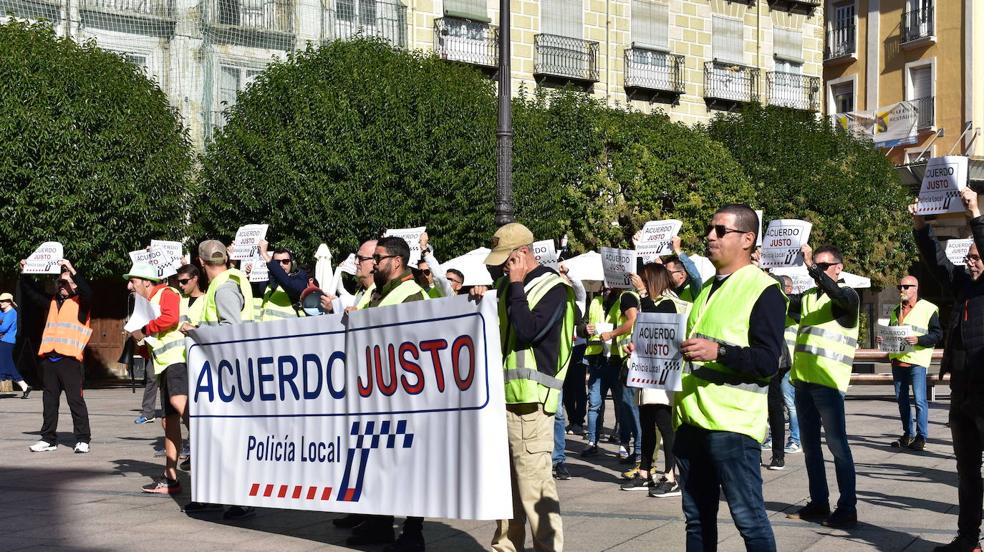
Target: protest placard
[
  {"x": 313, "y": 414},
  {"x": 758, "y": 236},
  {"x": 655, "y": 239},
  {"x": 257, "y": 269},
  {"x": 247, "y": 242},
  {"x": 45, "y": 259},
  {"x": 167, "y": 256},
  {"x": 140, "y": 256},
  {"x": 782, "y": 243},
  {"x": 957, "y": 250},
  {"x": 941, "y": 185},
  {"x": 657, "y": 362},
  {"x": 893, "y": 338},
  {"x": 412, "y": 237},
  {"x": 618, "y": 264},
  {"x": 545, "y": 253}
]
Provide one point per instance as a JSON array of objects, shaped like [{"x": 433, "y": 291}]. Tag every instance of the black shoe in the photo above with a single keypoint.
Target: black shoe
[
  {"x": 637, "y": 483},
  {"x": 902, "y": 442},
  {"x": 841, "y": 519},
  {"x": 193, "y": 508},
  {"x": 777, "y": 463},
  {"x": 349, "y": 521},
  {"x": 407, "y": 542},
  {"x": 561, "y": 473},
  {"x": 960, "y": 544},
  {"x": 238, "y": 513},
  {"x": 374, "y": 534},
  {"x": 185, "y": 465},
  {"x": 665, "y": 489},
  {"x": 811, "y": 512},
  {"x": 592, "y": 450},
  {"x": 918, "y": 444},
  {"x": 27, "y": 392}
]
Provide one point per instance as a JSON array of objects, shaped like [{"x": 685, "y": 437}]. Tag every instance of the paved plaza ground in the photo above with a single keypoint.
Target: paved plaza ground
[{"x": 63, "y": 501}]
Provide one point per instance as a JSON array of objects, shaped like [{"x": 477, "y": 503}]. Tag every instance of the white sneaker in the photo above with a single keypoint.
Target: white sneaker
[
  {"x": 81, "y": 448},
  {"x": 42, "y": 446},
  {"x": 622, "y": 452}
]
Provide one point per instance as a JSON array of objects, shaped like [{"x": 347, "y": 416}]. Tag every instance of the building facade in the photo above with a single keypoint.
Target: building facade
[{"x": 690, "y": 58}]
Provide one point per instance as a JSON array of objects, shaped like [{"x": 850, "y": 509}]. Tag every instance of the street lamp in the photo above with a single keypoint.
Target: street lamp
[{"x": 504, "y": 132}]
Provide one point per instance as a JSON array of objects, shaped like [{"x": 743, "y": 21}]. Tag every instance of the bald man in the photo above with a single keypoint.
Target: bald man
[{"x": 909, "y": 368}]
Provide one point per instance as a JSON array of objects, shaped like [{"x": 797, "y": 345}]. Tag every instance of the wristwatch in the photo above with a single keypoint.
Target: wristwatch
[{"x": 722, "y": 351}]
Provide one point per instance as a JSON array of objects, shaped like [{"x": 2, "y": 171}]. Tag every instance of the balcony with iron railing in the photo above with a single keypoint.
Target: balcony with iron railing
[
  {"x": 796, "y": 6},
  {"x": 729, "y": 84},
  {"x": 841, "y": 43},
  {"x": 467, "y": 41},
  {"x": 49, "y": 10},
  {"x": 653, "y": 71},
  {"x": 918, "y": 24},
  {"x": 564, "y": 58},
  {"x": 142, "y": 8},
  {"x": 146, "y": 17},
  {"x": 794, "y": 91},
  {"x": 926, "y": 107},
  {"x": 261, "y": 23},
  {"x": 366, "y": 18}
]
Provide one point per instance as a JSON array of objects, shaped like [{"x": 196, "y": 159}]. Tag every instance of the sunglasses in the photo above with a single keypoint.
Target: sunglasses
[
  {"x": 285, "y": 261},
  {"x": 721, "y": 230},
  {"x": 825, "y": 266},
  {"x": 380, "y": 258},
  {"x": 426, "y": 272},
  {"x": 184, "y": 282},
  {"x": 454, "y": 281},
  {"x": 905, "y": 286}
]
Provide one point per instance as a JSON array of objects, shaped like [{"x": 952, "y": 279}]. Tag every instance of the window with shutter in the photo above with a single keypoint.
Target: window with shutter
[
  {"x": 921, "y": 82},
  {"x": 728, "y": 40},
  {"x": 562, "y": 18},
  {"x": 475, "y": 10},
  {"x": 843, "y": 95},
  {"x": 788, "y": 45},
  {"x": 650, "y": 25}
]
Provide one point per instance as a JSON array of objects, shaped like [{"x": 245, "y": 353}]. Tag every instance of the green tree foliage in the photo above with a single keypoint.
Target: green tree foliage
[
  {"x": 803, "y": 168},
  {"x": 91, "y": 154},
  {"x": 337, "y": 143}
]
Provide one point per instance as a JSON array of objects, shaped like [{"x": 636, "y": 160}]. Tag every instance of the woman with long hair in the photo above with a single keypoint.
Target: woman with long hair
[
  {"x": 655, "y": 285},
  {"x": 8, "y": 337}
]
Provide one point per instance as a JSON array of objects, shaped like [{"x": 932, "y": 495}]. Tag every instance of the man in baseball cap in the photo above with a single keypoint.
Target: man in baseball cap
[{"x": 507, "y": 239}]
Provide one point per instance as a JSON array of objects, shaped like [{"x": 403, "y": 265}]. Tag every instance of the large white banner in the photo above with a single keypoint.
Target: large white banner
[
  {"x": 401, "y": 411},
  {"x": 892, "y": 125},
  {"x": 783, "y": 240},
  {"x": 941, "y": 185},
  {"x": 657, "y": 361}
]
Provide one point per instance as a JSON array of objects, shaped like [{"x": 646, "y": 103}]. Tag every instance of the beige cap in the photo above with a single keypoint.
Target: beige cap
[
  {"x": 213, "y": 252},
  {"x": 7, "y": 297},
  {"x": 506, "y": 239}
]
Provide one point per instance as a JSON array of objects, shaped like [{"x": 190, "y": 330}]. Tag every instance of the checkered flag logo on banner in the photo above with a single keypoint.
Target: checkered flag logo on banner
[{"x": 367, "y": 438}]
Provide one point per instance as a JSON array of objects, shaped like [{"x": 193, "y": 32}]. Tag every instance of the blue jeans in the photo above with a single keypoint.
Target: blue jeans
[
  {"x": 820, "y": 405},
  {"x": 789, "y": 397},
  {"x": 630, "y": 430},
  {"x": 602, "y": 377},
  {"x": 712, "y": 461},
  {"x": 915, "y": 377},
  {"x": 560, "y": 432}
]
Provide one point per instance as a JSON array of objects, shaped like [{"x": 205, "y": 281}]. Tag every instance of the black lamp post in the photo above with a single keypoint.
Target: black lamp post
[{"x": 504, "y": 133}]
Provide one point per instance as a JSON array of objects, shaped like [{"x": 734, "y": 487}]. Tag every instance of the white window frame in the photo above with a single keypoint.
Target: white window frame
[
  {"x": 831, "y": 19},
  {"x": 834, "y": 83},
  {"x": 931, "y": 62},
  {"x": 911, "y": 154}
]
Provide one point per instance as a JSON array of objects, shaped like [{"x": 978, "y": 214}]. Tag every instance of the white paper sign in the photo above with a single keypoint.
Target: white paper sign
[
  {"x": 893, "y": 338},
  {"x": 758, "y": 236},
  {"x": 782, "y": 243},
  {"x": 247, "y": 242},
  {"x": 956, "y": 250},
  {"x": 140, "y": 256},
  {"x": 941, "y": 185},
  {"x": 657, "y": 362},
  {"x": 618, "y": 264},
  {"x": 412, "y": 237},
  {"x": 308, "y": 414},
  {"x": 545, "y": 253},
  {"x": 655, "y": 239},
  {"x": 257, "y": 267},
  {"x": 167, "y": 256},
  {"x": 45, "y": 259},
  {"x": 143, "y": 312}
]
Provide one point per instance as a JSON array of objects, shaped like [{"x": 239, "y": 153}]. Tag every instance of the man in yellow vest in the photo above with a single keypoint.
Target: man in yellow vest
[
  {"x": 394, "y": 285},
  {"x": 228, "y": 301},
  {"x": 536, "y": 326},
  {"x": 282, "y": 291},
  {"x": 167, "y": 355},
  {"x": 909, "y": 369},
  {"x": 188, "y": 278},
  {"x": 734, "y": 342},
  {"x": 822, "y": 362},
  {"x": 63, "y": 342}
]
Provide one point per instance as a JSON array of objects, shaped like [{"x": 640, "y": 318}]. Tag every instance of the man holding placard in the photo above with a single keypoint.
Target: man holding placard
[
  {"x": 963, "y": 356},
  {"x": 283, "y": 290},
  {"x": 66, "y": 333},
  {"x": 909, "y": 368},
  {"x": 735, "y": 339},
  {"x": 828, "y": 337},
  {"x": 687, "y": 281}
]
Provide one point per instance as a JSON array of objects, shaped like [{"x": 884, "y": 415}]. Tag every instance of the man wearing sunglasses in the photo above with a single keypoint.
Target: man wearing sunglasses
[
  {"x": 283, "y": 290},
  {"x": 686, "y": 278},
  {"x": 431, "y": 273},
  {"x": 63, "y": 342},
  {"x": 909, "y": 369},
  {"x": 822, "y": 362},
  {"x": 963, "y": 357},
  {"x": 734, "y": 341}
]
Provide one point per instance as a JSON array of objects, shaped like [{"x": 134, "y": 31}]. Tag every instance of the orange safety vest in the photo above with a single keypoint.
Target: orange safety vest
[{"x": 63, "y": 334}]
